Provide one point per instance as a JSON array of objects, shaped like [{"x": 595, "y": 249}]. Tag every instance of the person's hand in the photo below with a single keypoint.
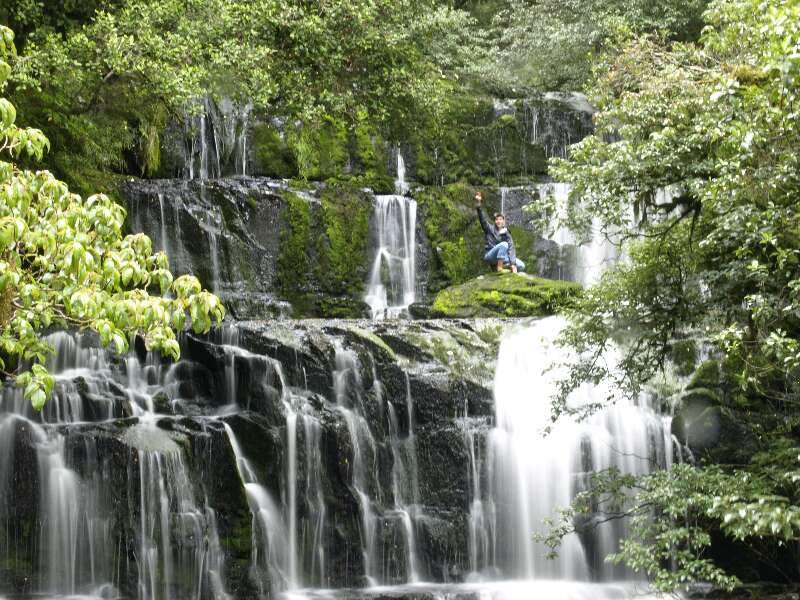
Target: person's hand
[
  {"x": 478, "y": 198},
  {"x": 513, "y": 268}
]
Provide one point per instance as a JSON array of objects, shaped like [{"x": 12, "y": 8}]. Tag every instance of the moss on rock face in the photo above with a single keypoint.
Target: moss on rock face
[
  {"x": 323, "y": 257},
  {"x": 273, "y": 157},
  {"x": 451, "y": 225},
  {"x": 505, "y": 295},
  {"x": 293, "y": 261},
  {"x": 341, "y": 267}
]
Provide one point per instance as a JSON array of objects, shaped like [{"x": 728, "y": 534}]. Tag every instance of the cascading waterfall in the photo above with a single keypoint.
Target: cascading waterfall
[
  {"x": 175, "y": 528},
  {"x": 178, "y": 537},
  {"x": 533, "y": 474},
  {"x": 348, "y": 391},
  {"x": 405, "y": 483},
  {"x": 391, "y": 288},
  {"x": 216, "y": 139},
  {"x": 591, "y": 259},
  {"x": 270, "y": 538}
]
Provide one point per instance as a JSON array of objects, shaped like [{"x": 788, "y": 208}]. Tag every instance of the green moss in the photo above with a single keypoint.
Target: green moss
[
  {"x": 273, "y": 157},
  {"x": 321, "y": 150},
  {"x": 370, "y": 154},
  {"x": 505, "y": 295},
  {"x": 375, "y": 342},
  {"x": 684, "y": 356},
  {"x": 342, "y": 249},
  {"x": 451, "y": 225},
  {"x": 706, "y": 376},
  {"x": 476, "y": 147},
  {"x": 293, "y": 261},
  {"x": 452, "y": 229},
  {"x": 701, "y": 396},
  {"x": 239, "y": 541}
]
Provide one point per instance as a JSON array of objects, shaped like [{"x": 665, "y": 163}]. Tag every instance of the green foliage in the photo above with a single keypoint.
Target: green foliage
[
  {"x": 673, "y": 514},
  {"x": 113, "y": 76},
  {"x": 65, "y": 263},
  {"x": 321, "y": 150},
  {"x": 273, "y": 156},
  {"x": 554, "y": 44},
  {"x": 716, "y": 257},
  {"x": 343, "y": 249},
  {"x": 293, "y": 261},
  {"x": 505, "y": 295}
]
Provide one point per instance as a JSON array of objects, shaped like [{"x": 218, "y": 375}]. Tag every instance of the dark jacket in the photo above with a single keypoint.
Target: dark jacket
[{"x": 494, "y": 235}]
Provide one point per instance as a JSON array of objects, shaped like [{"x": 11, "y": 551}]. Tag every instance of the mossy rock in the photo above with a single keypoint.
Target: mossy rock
[
  {"x": 273, "y": 157},
  {"x": 505, "y": 295},
  {"x": 706, "y": 376}
]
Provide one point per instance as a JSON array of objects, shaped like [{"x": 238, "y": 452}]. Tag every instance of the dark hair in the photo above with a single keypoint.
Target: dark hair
[{"x": 499, "y": 215}]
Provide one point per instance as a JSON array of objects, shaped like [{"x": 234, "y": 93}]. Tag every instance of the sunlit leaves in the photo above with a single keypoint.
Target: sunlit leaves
[{"x": 64, "y": 263}]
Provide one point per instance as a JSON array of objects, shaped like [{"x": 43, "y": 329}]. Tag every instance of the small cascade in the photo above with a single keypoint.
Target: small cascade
[
  {"x": 391, "y": 288},
  {"x": 405, "y": 482},
  {"x": 164, "y": 239},
  {"x": 591, "y": 257},
  {"x": 270, "y": 538},
  {"x": 216, "y": 140},
  {"x": 532, "y": 475},
  {"x": 482, "y": 517},
  {"x": 401, "y": 186},
  {"x": 558, "y": 122},
  {"x": 348, "y": 392},
  {"x": 178, "y": 540}
]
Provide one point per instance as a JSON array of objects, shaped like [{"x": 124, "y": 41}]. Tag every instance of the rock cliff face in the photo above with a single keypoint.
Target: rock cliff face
[
  {"x": 351, "y": 433},
  {"x": 270, "y": 249}
]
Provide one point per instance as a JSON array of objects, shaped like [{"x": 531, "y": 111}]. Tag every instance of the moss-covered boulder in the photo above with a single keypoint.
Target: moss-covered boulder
[{"x": 505, "y": 295}]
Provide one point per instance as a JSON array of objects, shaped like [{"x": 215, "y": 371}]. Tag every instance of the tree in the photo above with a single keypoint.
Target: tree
[
  {"x": 554, "y": 44},
  {"x": 131, "y": 68},
  {"x": 694, "y": 168},
  {"x": 64, "y": 263}
]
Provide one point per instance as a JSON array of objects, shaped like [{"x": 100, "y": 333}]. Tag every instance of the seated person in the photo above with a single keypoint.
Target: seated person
[{"x": 499, "y": 245}]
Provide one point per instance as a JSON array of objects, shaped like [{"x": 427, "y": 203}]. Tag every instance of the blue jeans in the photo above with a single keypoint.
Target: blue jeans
[{"x": 500, "y": 252}]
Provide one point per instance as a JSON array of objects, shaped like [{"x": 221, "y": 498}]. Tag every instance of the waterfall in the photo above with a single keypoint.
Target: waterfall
[
  {"x": 405, "y": 483},
  {"x": 591, "y": 257},
  {"x": 348, "y": 392},
  {"x": 216, "y": 139},
  {"x": 270, "y": 542},
  {"x": 178, "y": 551},
  {"x": 391, "y": 288},
  {"x": 400, "y": 184},
  {"x": 533, "y": 474},
  {"x": 178, "y": 538}
]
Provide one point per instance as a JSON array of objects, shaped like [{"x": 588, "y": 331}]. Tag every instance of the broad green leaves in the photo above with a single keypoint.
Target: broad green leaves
[
  {"x": 695, "y": 164},
  {"x": 65, "y": 263}
]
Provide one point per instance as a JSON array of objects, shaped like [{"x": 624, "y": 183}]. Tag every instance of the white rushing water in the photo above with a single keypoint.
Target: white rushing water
[
  {"x": 391, "y": 287},
  {"x": 593, "y": 256},
  {"x": 216, "y": 139},
  {"x": 532, "y": 474},
  {"x": 178, "y": 551}
]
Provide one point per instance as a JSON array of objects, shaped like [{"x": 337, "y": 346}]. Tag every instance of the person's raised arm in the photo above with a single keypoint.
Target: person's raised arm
[{"x": 481, "y": 214}]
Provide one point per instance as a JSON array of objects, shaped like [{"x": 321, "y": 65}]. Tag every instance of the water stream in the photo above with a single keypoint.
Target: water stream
[{"x": 295, "y": 460}]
